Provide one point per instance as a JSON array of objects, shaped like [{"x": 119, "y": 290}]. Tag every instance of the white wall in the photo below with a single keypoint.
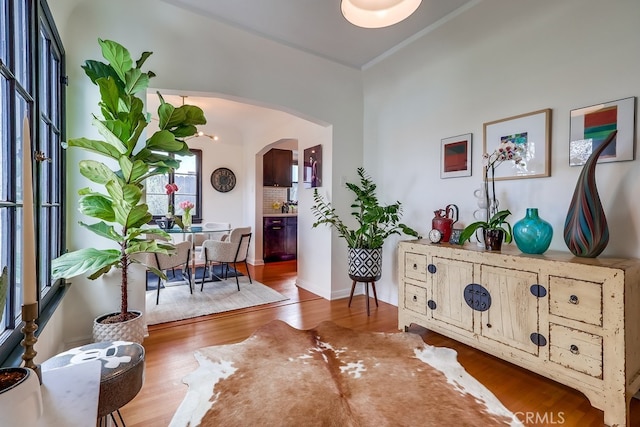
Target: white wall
[
  {"x": 499, "y": 59},
  {"x": 194, "y": 54}
]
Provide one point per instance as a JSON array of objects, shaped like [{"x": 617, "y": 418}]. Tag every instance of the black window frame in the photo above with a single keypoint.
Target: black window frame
[
  {"x": 46, "y": 112},
  {"x": 197, "y": 211}
]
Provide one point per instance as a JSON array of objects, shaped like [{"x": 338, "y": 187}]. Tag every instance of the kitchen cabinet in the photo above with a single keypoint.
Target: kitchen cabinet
[
  {"x": 277, "y": 167},
  {"x": 573, "y": 320},
  {"x": 280, "y": 238}
]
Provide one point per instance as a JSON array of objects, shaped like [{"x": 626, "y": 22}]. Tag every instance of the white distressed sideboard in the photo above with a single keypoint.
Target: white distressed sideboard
[{"x": 574, "y": 320}]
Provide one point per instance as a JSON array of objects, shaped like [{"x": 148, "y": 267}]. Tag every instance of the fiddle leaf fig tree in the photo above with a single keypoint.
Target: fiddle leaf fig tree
[
  {"x": 117, "y": 203},
  {"x": 375, "y": 222}
]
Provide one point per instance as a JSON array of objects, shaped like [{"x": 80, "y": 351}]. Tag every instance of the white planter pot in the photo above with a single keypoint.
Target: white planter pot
[
  {"x": 130, "y": 330},
  {"x": 21, "y": 403},
  {"x": 365, "y": 264}
]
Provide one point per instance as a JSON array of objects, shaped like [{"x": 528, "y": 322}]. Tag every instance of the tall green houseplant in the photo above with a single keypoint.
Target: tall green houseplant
[
  {"x": 374, "y": 221},
  {"x": 119, "y": 209}
]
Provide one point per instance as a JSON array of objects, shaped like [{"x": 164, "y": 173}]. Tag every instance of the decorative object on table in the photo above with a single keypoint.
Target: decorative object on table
[
  {"x": 121, "y": 213},
  {"x": 591, "y": 125},
  {"x": 494, "y": 231},
  {"x": 20, "y": 397},
  {"x": 585, "y": 229},
  {"x": 171, "y": 189},
  {"x": 435, "y": 235},
  {"x": 531, "y": 133},
  {"x": 375, "y": 222},
  {"x": 312, "y": 173},
  {"x": 223, "y": 180},
  {"x": 455, "y": 236},
  {"x": 455, "y": 156},
  {"x": 186, "y": 206},
  {"x": 532, "y": 234},
  {"x": 393, "y": 378},
  {"x": 507, "y": 151},
  {"x": 444, "y": 219}
]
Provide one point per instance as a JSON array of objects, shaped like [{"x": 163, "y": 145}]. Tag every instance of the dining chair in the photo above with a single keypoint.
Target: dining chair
[
  {"x": 165, "y": 262},
  {"x": 232, "y": 250},
  {"x": 210, "y": 230}
]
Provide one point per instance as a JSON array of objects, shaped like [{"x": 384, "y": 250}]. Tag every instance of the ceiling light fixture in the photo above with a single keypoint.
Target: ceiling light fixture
[
  {"x": 377, "y": 13},
  {"x": 199, "y": 133}
]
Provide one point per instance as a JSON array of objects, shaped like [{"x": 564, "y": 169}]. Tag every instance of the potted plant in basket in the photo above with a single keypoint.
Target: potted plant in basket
[
  {"x": 121, "y": 214},
  {"x": 374, "y": 223},
  {"x": 494, "y": 231}
]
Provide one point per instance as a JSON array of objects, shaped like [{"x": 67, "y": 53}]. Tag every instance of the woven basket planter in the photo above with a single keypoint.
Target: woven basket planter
[{"x": 130, "y": 330}]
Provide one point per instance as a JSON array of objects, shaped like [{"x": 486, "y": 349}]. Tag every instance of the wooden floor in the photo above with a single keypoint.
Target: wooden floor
[{"x": 169, "y": 356}]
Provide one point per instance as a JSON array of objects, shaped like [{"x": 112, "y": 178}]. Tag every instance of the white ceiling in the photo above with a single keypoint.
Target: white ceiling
[
  {"x": 318, "y": 27},
  {"x": 313, "y": 26}
]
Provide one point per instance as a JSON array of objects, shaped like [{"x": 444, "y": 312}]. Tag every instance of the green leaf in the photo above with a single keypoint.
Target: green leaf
[
  {"x": 118, "y": 57},
  {"x": 97, "y": 206},
  {"x": 107, "y": 131},
  {"x": 83, "y": 261},
  {"x": 164, "y": 141},
  {"x": 97, "y": 172},
  {"x": 136, "y": 81},
  {"x": 143, "y": 58},
  {"x": 104, "y": 230},
  {"x": 95, "y": 146},
  {"x": 96, "y": 70},
  {"x": 167, "y": 115},
  {"x": 139, "y": 216},
  {"x": 109, "y": 95}
]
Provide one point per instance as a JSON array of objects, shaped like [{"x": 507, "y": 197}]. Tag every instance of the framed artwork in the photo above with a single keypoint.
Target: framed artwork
[
  {"x": 455, "y": 156},
  {"x": 590, "y": 126},
  {"x": 312, "y": 176},
  {"x": 533, "y": 132}
]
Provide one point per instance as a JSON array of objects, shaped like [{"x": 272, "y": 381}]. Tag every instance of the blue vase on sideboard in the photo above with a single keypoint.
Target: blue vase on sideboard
[{"x": 532, "y": 233}]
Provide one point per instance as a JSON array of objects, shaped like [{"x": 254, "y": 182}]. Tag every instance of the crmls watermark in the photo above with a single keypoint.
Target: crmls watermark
[{"x": 541, "y": 418}]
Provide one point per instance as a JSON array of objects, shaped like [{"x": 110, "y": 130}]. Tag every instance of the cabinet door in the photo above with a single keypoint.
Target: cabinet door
[
  {"x": 291, "y": 237},
  {"x": 273, "y": 240},
  {"x": 276, "y": 168},
  {"x": 513, "y": 314},
  {"x": 448, "y": 281}
]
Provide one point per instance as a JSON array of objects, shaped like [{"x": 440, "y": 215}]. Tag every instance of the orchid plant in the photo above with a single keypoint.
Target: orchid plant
[
  {"x": 170, "y": 189},
  {"x": 506, "y": 151}
]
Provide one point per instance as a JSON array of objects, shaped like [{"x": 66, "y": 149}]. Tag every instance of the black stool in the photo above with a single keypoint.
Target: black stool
[
  {"x": 366, "y": 280},
  {"x": 121, "y": 376}
]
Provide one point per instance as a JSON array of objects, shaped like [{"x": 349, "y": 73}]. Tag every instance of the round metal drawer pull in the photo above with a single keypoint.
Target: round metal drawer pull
[
  {"x": 415, "y": 266},
  {"x": 574, "y": 349},
  {"x": 573, "y": 299},
  {"x": 415, "y": 298}
]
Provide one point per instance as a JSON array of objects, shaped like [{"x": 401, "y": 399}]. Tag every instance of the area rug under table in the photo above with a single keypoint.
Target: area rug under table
[
  {"x": 333, "y": 376},
  {"x": 177, "y": 303}
]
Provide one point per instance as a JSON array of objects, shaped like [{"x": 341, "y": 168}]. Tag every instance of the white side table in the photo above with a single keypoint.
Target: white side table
[{"x": 70, "y": 395}]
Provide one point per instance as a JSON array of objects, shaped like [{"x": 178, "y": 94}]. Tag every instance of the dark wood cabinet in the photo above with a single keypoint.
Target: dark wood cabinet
[
  {"x": 280, "y": 238},
  {"x": 276, "y": 168}
]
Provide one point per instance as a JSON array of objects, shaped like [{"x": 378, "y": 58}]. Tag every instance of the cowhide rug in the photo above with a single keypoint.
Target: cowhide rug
[{"x": 333, "y": 376}]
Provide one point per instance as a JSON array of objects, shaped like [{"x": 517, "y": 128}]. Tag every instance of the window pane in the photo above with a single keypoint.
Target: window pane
[
  {"x": 22, "y": 109},
  {"x": 4, "y": 139},
  {"x": 4, "y": 27},
  {"x": 44, "y": 71},
  {"x": 21, "y": 43}
]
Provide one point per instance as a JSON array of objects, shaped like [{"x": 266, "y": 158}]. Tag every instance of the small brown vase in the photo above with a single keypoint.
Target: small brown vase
[{"x": 493, "y": 239}]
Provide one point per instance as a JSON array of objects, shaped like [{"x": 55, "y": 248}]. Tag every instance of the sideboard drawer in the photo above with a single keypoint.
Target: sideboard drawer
[
  {"x": 576, "y": 349},
  {"x": 415, "y": 266},
  {"x": 415, "y": 298},
  {"x": 576, "y": 299}
]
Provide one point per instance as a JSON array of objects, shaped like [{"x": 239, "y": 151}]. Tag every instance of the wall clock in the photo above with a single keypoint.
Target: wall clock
[{"x": 223, "y": 180}]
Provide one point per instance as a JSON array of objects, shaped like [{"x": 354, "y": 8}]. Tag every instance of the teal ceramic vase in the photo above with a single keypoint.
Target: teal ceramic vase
[{"x": 532, "y": 233}]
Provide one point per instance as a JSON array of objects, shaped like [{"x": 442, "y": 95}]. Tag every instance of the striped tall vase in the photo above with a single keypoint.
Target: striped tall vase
[{"x": 585, "y": 230}]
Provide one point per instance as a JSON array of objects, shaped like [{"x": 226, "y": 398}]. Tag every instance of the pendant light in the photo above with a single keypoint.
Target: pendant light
[{"x": 377, "y": 13}]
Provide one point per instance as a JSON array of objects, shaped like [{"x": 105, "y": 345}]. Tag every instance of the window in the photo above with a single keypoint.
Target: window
[
  {"x": 31, "y": 84},
  {"x": 188, "y": 178}
]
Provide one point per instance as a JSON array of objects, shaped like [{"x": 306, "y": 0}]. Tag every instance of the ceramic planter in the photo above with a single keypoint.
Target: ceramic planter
[
  {"x": 365, "y": 264},
  {"x": 493, "y": 239},
  {"x": 20, "y": 397},
  {"x": 130, "y": 330}
]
